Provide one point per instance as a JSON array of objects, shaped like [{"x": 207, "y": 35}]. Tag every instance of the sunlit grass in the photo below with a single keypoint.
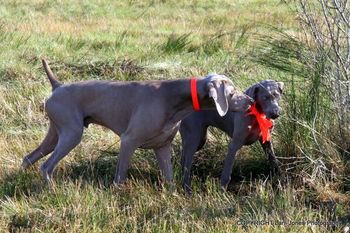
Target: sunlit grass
[{"x": 143, "y": 40}]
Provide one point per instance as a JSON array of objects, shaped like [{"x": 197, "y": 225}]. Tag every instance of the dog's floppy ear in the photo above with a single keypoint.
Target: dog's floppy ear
[
  {"x": 252, "y": 91},
  {"x": 280, "y": 86},
  {"x": 221, "y": 90}
]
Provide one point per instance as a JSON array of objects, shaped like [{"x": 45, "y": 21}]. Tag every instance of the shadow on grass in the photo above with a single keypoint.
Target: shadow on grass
[
  {"x": 100, "y": 172},
  {"x": 97, "y": 172},
  {"x": 251, "y": 168},
  {"x": 21, "y": 183}
]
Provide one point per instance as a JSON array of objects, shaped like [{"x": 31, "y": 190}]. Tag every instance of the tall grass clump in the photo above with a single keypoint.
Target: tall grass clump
[
  {"x": 326, "y": 27},
  {"x": 310, "y": 150},
  {"x": 176, "y": 43}
]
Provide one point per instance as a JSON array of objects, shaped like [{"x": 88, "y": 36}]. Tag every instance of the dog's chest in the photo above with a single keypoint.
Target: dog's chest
[{"x": 254, "y": 133}]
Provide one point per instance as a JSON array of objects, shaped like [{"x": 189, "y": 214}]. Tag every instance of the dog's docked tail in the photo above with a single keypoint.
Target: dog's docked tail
[{"x": 53, "y": 80}]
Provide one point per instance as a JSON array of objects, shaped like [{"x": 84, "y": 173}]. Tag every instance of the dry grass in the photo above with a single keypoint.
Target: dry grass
[{"x": 133, "y": 40}]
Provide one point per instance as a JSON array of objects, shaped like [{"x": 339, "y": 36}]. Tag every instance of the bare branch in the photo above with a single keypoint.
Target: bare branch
[{"x": 327, "y": 23}]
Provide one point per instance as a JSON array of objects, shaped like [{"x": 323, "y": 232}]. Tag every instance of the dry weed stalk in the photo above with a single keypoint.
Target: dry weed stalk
[{"x": 326, "y": 26}]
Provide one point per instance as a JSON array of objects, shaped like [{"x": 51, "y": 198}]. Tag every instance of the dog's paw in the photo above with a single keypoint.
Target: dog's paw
[
  {"x": 25, "y": 164},
  {"x": 188, "y": 190},
  {"x": 46, "y": 175},
  {"x": 118, "y": 185},
  {"x": 224, "y": 182},
  {"x": 275, "y": 167}
]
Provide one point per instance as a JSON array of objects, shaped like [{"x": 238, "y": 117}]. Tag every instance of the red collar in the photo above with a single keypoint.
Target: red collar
[
  {"x": 194, "y": 95},
  {"x": 264, "y": 124}
]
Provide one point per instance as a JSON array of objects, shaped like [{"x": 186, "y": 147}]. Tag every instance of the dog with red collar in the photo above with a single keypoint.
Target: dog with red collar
[
  {"x": 244, "y": 128},
  {"x": 145, "y": 114}
]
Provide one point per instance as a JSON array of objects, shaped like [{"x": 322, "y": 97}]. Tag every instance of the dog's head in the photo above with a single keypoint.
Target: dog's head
[
  {"x": 266, "y": 95},
  {"x": 225, "y": 95}
]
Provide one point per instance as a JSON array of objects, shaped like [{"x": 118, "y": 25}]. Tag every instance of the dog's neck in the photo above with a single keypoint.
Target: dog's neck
[
  {"x": 258, "y": 107},
  {"x": 180, "y": 100},
  {"x": 251, "y": 95}
]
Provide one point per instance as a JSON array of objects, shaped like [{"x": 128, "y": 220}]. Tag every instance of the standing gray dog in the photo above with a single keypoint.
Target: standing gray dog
[
  {"x": 145, "y": 115},
  {"x": 243, "y": 128}
]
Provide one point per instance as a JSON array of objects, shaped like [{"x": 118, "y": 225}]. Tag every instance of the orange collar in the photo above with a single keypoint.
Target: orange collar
[
  {"x": 194, "y": 95},
  {"x": 264, "y": 124}
]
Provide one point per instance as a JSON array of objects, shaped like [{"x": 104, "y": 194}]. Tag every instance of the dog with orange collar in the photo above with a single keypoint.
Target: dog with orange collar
[
  {"x": 144, "y": 114},
  {"x": 243, "y": 128}
]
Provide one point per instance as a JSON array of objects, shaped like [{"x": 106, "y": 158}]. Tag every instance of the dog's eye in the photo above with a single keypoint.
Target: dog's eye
[{"x": 276, "y": 96}]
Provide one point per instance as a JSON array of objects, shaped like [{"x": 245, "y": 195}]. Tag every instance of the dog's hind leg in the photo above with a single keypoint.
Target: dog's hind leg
[
  {"x": 46, "y": 147},
  {"x": 68, "y": 138}
]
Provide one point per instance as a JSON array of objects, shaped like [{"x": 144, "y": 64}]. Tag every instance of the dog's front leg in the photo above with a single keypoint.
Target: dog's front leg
[
  {"x": 163, "y": 155},
  {"x": 234, "y": 146},
  {"x": 268, "y": 149},
  {"x": 127, "y": 149},
  {"x": 189, "y": 148}
]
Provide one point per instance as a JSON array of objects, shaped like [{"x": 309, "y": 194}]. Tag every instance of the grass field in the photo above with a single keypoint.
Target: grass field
[{"x": 141, "y": 40}]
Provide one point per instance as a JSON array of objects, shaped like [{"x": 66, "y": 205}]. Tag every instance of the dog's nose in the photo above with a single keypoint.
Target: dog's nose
[
  {"x": 274, "y": 116},
  {"x": 275, "y": 113}
]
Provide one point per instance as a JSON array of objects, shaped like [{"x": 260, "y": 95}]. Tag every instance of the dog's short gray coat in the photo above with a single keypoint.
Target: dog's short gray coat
[
  {"x": 242, "y": 128},
  {"x": 144, "y": 114}
]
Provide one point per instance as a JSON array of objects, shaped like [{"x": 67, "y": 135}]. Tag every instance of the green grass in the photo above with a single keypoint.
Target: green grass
[{"x": 143, "y": 40}]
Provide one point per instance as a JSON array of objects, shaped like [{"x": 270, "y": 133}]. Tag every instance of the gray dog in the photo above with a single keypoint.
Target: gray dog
[
  {"x": 145, "y": 115},
  {"x": 242, "y": 128}
]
